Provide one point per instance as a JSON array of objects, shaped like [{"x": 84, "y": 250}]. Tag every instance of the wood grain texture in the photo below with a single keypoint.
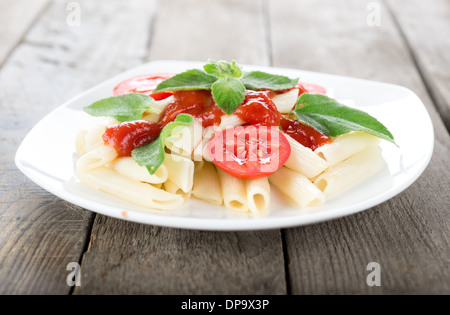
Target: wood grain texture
[
  {"x": 408, "y": 235},
  {"x": 130, "y": 258},
  {"x": 39, "y": 233},
  {"x": 16, "y": 17},
  {"x": 426, "y": 27},
  {"x": 198, "y": 30}
]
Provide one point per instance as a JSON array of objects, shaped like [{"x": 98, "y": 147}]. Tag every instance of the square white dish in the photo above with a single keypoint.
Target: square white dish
[{"x": 47, "y": 156}]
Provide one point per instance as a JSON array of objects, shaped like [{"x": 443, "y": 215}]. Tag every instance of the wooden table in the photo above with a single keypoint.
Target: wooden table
[{"x": 46, "y": 58}]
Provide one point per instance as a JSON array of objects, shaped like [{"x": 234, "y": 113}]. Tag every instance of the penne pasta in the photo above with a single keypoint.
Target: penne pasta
[
  {"x": 129, "y": 167},
  {"x": 96, "y": 158},
  {"x": 173, "y": 188},
  {"x": 184, "y": 141},
  {"x": 233, "y": 192},
  {"x": 285, "y": 102},
  {"x": 232, "y": 120},
  {"x": 345, "y": 146},
  {"x": 80, "y": 142},
  {"x": 296, "y": 186},
  {"x": 304, "y": 160},
  {"x": 161, "y": 104},
  {"x": 350, "y": 172},
  {"x": 142, "y": 194},
  {"x": 258, "y": 195},
  {"x": 181, "y": 171},
  {"x": 206, "y": 184}
]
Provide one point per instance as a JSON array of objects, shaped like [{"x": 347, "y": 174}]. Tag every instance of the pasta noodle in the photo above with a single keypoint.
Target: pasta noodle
[
  {"x": 232, "y": 120},
  {"x": 286, "y": 102},
  {"x": 304, "y": 160},
  {"x": 233, "y": 192},
  {"x": 185, "y": 140},
  {"x": 258, "y": 195},
  {"x": 127, "y": 166},
  {"x": 181, "y": 171},
  {"x": 350, "y": 172},
  {"x": 142, "y": 194},
  {"x": 96, "y": 158},
  {"x": 345, "y": 146},
  {"x": 173, "y": 188},
  {"x": 297, "y": 187},
  {"x": 206, "y": 184}
]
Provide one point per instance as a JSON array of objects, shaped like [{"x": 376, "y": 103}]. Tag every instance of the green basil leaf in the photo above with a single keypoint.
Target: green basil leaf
[
  {"x": 257, "y": 80},
  {"x": 125, "y": 107},
  {"x": 333, "y": 119},
  {"x": 223, "y": 69},
  {"x": 228, "y": 94},
  {"x": 152, "y": 155},
  {"x": 189, "y": 80}
]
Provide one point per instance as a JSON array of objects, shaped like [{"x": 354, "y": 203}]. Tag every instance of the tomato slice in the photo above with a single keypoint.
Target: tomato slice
[
  {"x": 249, "y": 151},
  {"x": 312, "y": 88},
  {"x": 144, "y": 84}
]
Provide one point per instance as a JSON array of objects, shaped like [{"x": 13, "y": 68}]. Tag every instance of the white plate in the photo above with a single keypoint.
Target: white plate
[{"x": 47, "y": 155}]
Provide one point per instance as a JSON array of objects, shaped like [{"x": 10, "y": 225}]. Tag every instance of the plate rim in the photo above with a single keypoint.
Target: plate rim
[{"x": 212, "y": 224}]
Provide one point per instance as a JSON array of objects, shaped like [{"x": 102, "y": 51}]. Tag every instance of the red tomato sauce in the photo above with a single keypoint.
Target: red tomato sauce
[
  {"x": 197, "y": 103},
  {"x": 127, "y": 136},
  {"x": 258, "y": 109},
  {"x": 303, "y": 134}
]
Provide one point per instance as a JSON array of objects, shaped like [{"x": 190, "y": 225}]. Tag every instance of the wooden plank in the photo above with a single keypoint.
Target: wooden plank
[
  {"x": 16, "y": 17},
  {"x": 200, "y": 29},
  {"x": 425, "y": 26},
  {"x": 408, "y": 235},
  {"x": 39, "y": 233},
  {"x": 128, "y": 258}
]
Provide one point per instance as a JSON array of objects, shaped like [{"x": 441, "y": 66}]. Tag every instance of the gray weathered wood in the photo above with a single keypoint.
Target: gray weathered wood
[
  {"x": 408, "y": 235},
  {"x": 39, "y": 233},
  {"x": 129, "y": 258},
  {"x": 15, "y": 19},
  {"x": 426, "y": 27}
]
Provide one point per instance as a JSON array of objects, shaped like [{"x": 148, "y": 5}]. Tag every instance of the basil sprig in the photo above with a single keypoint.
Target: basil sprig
[
  {"x": 227, "y": 83},
  {"x": 333, "y": 119},
  {"x": 126, "y": 107}
]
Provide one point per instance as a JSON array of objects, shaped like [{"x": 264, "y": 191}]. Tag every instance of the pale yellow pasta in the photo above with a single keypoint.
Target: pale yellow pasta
[
  {"x": 296, "y": 186},
  {"x": 233, "y": 192},
  {"x": 173, "y": 188},
  {"x": 258, "y": 195},
  {"x": 129, "y": 167},
  {"x": 200, "y": 152},
  {"x": 184, "y": 140},
  {"x": 232, "y": 120},
  {"x": 142, "y": 194},
  {"x": 304, "y": 160},
  {"x": 345, "y": 146},
  {"x": 181, "y": 171},
  {"x": 198, "y": 165},
  {"x": 350, "y": 172},
  {"x": 96, "y": 158},
  {"x": 285, "y": 102},
  {"x": 80, "y": 142},
  {"x": 161, "y": 104},
  {"x": 206, "y": 184},
  {"x": 150, "y": 116},
  {"x": 88, "y": 140}
]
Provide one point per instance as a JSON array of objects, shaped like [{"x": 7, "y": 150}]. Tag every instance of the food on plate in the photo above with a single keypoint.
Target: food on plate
[{"x": 227, "y": 137}]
